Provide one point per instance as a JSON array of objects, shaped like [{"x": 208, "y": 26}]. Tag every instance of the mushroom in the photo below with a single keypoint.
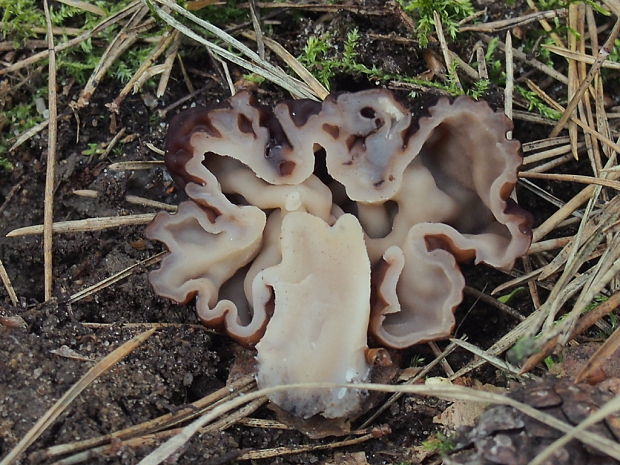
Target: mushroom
[
  {"x": 209, "y": 239},
  {"x": 314, "y": 226},
  {"x": 463, "y": 175},
  {"x": 322, "y": 287}
]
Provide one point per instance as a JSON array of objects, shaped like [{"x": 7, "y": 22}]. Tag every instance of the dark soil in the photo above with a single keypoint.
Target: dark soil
[{"x": 180, "y": 364}]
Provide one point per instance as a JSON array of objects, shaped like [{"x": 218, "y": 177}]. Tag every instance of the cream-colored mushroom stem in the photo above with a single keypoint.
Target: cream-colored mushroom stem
[{"x": 317, "y": 333}]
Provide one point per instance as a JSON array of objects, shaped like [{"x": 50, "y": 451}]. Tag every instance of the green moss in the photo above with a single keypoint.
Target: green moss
[
  {"x": 319, "y": 57},
  {"x": 19, "y": 17},
  {"x": 536, "y": 104},
  {"x": 450, "y": 12},
  {"x": 5, "y": 164},
  {"x": 508, "y": 297},
  {"x": 439, "y": 444}
]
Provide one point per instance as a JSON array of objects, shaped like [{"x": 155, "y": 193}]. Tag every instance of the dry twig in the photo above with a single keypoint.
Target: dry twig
[
  {"x": 48, "y": 210},
  {"x": 88, "y": 224}
]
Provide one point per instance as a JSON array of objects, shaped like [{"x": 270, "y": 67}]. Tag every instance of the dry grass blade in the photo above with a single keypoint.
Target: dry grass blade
[
  {"x": 88, "y": 224},
  {"x": 532, "y": 117},
  {"x": 60, "y": 406},
  {"x": 148, "y": 325},
  {"x": 543, "y": 143},
  {"x": 521, "y": 56},
  {"x": 602, "y": 55},
  {"x": 157, "y": 424},
  {"x": 447, "y": 56},
  {"x": 266, "y": 424},
  {"x": 132, "y": 199},
  {"x": 502, "y": 25},
  {"x": 519, "y": 280},
  {"x": 28, "y": 134},
  {"x": 115, "y": 278},
  {"x": 564, "y": 212},
  {"x": 596, "y": 314},
  {"x": 545, "y": 24},
  {"x": 124, "y": 39},
  {"x": 509, "y": 89},
  {"x": 136, "y": 165},
  {"x": 551, "y": 164},
  {"x": 258, "y": 32},
  {"x": 301, "y": 71},
  {"x": 591, "y": 282},
  {"x": 255, "y": 63},
  {"x": 352, "y": 7},
  {"x": 606, "y": 267},
  {"x": 133, "y": 84},
  {"x": 6, "y": 280},
  {"x": 118, "y": 16},
  {"x": 438, "y": 354},
  {"x": 545, "y": 154},
  {"x": 571, "y": 178},
  {"x": 8, "y": 197},
  {"x": 543, "y": 194},
  {"x": 171, "y": 55},
  {"x": 154, "y": 438},
  {"x": 110, "y": 145},
  {"x": 589, "y": 59},
  {"x": 483, "y": 71},
  {"x": 229, "y": 420},
  {"x": 493, "y": 360},
  {"x": 550, "y": 244},
  {"x": 110, "y": 450},
  {"x": 573, "y": 79},
  {"x": 507, "y": 309},
  {"x": 604, "y": 353},
  {"x": 290, "y": 450},
  {"x": 86, "y": 6},
  {"x": 136, "y": 200},
  {"x": 52, "y": 133},
  {"x": 503, "y": 344},
  {"x": 448, "y": 392}
]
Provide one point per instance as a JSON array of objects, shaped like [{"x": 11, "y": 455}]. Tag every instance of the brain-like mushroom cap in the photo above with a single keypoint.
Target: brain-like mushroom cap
[
  {"x": 454, "y": 200},
  {"x": 269, "y": 190}
]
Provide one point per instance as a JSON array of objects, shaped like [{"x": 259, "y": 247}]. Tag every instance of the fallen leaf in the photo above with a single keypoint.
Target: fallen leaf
[
  {"x": 67, "y": 352},
  {"x": 462, "y": 413},
  {"x": 13, "y": 322}
]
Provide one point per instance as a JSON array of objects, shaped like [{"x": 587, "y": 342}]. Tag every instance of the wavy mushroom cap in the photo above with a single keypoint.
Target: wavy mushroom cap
[{"x": 310, "y": 224}]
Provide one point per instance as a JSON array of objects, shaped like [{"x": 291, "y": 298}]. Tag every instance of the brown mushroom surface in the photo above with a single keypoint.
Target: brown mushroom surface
[{"x": 427, "y": 193}]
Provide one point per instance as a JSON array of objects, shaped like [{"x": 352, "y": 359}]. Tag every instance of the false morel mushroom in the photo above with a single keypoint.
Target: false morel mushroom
[{"x": 311, "y": 227}]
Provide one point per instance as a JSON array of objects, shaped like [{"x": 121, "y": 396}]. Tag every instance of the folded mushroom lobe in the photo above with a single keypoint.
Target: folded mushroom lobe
[
  {"x": 242, "y": 129},
  {"x": 322, "y": 303},
  {"x": 463, "y": 174},
  {"x": 361, "y": 134},
  {"x": 205, "y": 251},
  {"x": 416, "y": 289},
  {"x": 179, "y": 148},
  {"x": 454, "y": 205},
  {"x": 311, "y": 195},
  {"x": 429, "y": 193}
]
